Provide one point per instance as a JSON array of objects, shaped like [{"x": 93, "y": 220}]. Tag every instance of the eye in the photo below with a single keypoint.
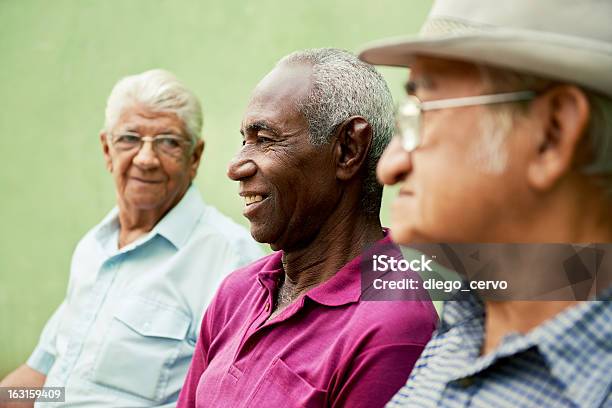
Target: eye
[
  {"x": 128, "y": 139},
  {"x": 263, "y": 139},
  {"x": 169, "y": 142}
]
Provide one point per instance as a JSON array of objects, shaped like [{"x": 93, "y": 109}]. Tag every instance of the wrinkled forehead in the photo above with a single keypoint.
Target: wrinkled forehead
[
  {"x": 141, "y": 119},
  {"x": 431, "y": 73},
  {"x": 278, "y": 94}
]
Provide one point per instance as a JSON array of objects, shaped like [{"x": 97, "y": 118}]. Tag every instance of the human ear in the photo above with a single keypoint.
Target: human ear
[
  {"x": 561, "y": 115},
  {"x": 353, "y": 141},
  {"x": 106, "y": 151},
  {"x": 196, "y": 156}
]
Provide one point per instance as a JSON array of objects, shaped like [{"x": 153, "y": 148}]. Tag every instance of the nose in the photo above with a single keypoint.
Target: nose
[
  {"x": 241, "y": 167},
  {"x": 146, "y": 158},
  {"x": 395, "y": 164}
]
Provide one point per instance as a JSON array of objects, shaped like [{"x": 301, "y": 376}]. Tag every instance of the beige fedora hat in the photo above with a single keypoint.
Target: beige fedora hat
[{"x": 568, "y": 40}]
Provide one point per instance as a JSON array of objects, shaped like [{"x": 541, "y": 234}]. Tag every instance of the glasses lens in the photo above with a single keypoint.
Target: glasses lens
[
  {"x": 170, "y": 145},
  {"x": 126, "y": 142},
  {"x": 407, "y": 120}
]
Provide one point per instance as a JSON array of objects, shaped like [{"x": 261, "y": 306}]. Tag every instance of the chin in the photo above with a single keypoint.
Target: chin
[
  {"x": 260, "y": 234},
  {"x": 402, "y": 223},
  {"x": 404, "y": 232},
  {"x": 264, "y": 235},
  {"x": 401, "y": 234},
  {"x": 145, "y": 203}
]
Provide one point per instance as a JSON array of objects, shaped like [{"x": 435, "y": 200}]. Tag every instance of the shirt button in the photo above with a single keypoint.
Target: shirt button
[{"x": 267, "y": 307}]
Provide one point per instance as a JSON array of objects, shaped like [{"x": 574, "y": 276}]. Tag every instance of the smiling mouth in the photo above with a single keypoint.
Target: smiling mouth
[
  {"x": 253, "y": 199},
  {"x": 147, "y": 181}
]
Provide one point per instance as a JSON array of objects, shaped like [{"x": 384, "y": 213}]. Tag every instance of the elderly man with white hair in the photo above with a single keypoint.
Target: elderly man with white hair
[
  {"x": 141, "y": 279},
  {"x": 506, "y": 137}
]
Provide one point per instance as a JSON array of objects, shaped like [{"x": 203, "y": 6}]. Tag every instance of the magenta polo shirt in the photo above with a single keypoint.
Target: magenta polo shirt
[{"x": 326, "y": 349}]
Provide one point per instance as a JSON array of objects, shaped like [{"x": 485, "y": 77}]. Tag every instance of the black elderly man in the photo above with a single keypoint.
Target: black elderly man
[
  {"x": 290, "y": 329},
  {"x": 506, "y": 137}
]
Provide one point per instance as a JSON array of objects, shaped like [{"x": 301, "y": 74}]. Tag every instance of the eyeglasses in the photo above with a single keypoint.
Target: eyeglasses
[
  {"x": 169, "y": 145},
  {"x": 408, "y": 115}
]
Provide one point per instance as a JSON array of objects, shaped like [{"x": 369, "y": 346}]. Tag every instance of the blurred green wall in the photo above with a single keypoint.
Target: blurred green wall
[{"x": 59, "y": 60}]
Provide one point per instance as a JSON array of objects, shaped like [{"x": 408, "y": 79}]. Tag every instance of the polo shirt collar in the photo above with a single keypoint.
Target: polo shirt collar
[
  {"x": 345, "y": 286},
  {"x": 271, "y": 271},
  {"x": 342, "y": 288}
]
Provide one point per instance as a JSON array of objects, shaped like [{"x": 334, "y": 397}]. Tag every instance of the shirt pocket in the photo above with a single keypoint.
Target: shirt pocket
[
  {"x": 143, "y": 342},
  {"x": 280, "y": 386}
]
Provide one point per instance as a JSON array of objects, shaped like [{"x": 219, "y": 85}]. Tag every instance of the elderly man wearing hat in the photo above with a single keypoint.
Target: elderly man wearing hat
[{"x": 506, "y": 137}]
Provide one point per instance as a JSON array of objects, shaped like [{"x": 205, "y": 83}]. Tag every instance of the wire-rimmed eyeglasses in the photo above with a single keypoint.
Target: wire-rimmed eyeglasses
[
  {"x": 408, "y": 114},
  {"x": 169, "y": 145}
]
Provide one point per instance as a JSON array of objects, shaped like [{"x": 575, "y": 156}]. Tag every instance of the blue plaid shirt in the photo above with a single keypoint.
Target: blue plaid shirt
[{"x": 565, "y": 362}]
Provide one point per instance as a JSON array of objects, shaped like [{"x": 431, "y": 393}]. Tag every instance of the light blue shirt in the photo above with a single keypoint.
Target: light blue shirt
[{"x": 125, "y": 333}]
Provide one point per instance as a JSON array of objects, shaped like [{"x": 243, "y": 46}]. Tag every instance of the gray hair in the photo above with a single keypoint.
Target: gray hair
[
  {"x": 344, "y": 86},
  {"x": 158, "y": 90},
  {"x": 598, "y": 137}
]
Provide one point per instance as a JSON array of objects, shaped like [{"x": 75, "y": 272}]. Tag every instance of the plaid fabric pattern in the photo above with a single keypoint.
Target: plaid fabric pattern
[{"x": 565, "y": 362}]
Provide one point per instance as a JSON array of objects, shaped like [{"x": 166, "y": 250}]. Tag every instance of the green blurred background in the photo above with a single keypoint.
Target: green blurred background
[{"x": 58, "y": 62}]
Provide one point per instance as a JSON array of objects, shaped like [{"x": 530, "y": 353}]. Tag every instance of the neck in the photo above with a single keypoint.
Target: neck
[
  {"x": 576, "y": 211},
  {"x": 335, "y": 245},
  {"x": 135, "y": 222}
]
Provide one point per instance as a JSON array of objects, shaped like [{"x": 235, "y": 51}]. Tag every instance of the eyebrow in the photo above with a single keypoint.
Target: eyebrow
[{"x": 258, "y": 126}]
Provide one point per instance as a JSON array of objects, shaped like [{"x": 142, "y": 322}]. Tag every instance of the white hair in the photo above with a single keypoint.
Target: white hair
[
  {"x": 491, "y": 156},
  {"x": 344, "y": 86},
  {"x": 598, "y": 137},
  {"x": 158, "y": 90}
]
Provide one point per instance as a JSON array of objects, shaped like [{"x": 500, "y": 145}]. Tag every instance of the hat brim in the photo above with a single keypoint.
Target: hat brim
[{"x": 584, "y": 62}]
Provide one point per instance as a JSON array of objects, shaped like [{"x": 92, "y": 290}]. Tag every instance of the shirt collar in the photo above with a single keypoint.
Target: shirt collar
[
  {"x": 343, "y": 288},
  {"x": 271, "y": 270},
  {"x": 574, "y": 343},
  {"x": 106, "y": 233},
  {"x": 176, "y": 226},
  {"x": 576, "y": 346},
  {"x": 464, "y": 307}
]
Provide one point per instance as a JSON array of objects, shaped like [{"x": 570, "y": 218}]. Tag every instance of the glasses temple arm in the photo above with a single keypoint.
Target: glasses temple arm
[{"x": 478, "y": 100}]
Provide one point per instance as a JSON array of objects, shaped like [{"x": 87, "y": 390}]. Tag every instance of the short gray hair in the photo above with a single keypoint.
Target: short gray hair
[
  {"x": 158, "y": 90},
  {"x": 344, "y": 86},
  {"x": 598, "y": 137}
]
